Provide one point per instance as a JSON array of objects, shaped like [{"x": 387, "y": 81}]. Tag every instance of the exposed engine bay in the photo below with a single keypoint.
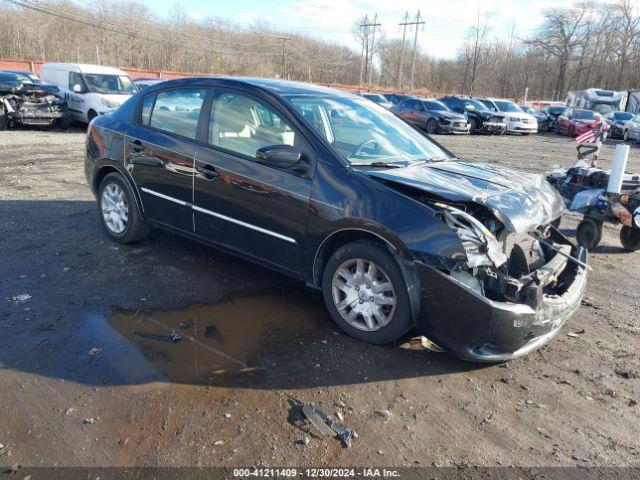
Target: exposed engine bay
[
  {"x": 506, "y": 266},
  {"x": 28, "y": 104}
]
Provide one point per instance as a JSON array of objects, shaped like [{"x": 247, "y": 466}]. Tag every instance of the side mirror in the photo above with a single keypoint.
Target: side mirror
[
  {"x": 77, "y": 88},
  {"x": 280, "y": 156}
]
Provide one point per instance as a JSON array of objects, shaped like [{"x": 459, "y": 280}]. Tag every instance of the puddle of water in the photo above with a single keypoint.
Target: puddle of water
[{"x": 225, "y": 343}]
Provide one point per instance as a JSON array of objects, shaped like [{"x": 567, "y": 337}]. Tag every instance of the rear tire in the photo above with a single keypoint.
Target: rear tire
[
  {"x": 118, "y": 210},
  {"x": 589, "y": 233},
  {"x": 630, "y": 238},
  {"x": 348, "y": 274}
]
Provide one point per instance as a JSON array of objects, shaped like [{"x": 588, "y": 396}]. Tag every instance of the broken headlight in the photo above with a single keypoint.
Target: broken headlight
[{"x": 480, "y": 245}]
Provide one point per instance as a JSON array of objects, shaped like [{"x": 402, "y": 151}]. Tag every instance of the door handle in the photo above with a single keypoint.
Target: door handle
[
  {"x": 136, "y": 146},
  {"x": 208, "y": 171}
]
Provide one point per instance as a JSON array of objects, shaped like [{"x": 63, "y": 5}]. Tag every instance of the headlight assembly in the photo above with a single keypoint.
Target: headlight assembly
[{"x": 481, "y": 247}]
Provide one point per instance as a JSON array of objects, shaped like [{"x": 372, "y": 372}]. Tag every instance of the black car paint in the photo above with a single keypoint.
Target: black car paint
[
  {"x": 310, "y": 210},
  {"x": 483, "y": 118}
]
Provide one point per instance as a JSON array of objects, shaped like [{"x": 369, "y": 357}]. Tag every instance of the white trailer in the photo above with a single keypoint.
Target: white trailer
[{"x": 602, "y": 101}]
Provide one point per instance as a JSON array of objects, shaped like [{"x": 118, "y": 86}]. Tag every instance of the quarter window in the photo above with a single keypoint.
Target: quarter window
[
  {"x": 243, "y": 125},
  {"x": 177, "y": 111}
]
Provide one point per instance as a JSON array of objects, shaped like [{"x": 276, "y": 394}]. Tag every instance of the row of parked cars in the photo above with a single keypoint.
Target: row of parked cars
[{"x": 460, "y": 114}]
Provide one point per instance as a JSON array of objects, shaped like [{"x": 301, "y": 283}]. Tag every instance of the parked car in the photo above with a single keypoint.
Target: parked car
[
  {"x": 377, "y": 98},
  {"x": 326, "y": 187},
  {"x": 517, "y": 120},
  {"x": 23, "y": 102},
  {"x": 575, "y": 121},
  {"x": 617, "y": 123},
  {"x": 90, "y": 90},
  {"x": 143, "y": 83},
  {"x": 480, "y": 118},
  {"x": 396, "y": 97},
  {"x": 540, "y": 117},
  {"x": 431, "y": 115},
  {"x": 632, "y": 129},
  {"x": 34, "y": 78},
  {"x": 552, "y": 112}
]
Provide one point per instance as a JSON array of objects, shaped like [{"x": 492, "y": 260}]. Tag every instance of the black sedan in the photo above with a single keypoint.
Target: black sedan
[
  {"x": 431, "y": 115},
  {"x": 341, "y": 194}
]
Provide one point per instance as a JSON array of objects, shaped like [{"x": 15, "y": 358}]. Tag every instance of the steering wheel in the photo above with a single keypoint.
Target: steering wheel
[{"x": 362, "y": 146}]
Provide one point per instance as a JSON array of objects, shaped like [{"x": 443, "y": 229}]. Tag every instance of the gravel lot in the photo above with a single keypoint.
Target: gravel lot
[{"x": 80, "y": 384}]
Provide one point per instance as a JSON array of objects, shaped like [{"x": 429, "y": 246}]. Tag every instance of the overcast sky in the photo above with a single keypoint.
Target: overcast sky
[{"x": 447, "y": 20}]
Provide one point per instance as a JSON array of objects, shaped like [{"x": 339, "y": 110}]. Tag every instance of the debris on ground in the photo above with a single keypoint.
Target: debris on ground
[
  {"x": 327, "y": 426},
  {"x": 384, "y": 413},
  {"x": 422, "y": 343},
  {"x": 23, "y": 297},
  {"x": 89, "y": 421},
  {"x": 576, "y": 334},
  {"x": 219, "y": 442},
  {"x": 184, "y": 325},
  {"x": 161, "y": 338}
]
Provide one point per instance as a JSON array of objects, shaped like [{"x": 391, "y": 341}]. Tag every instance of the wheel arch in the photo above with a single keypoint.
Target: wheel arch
[
  {"x": 106, "y": 167},
  {"x": 340, "y": 237}
]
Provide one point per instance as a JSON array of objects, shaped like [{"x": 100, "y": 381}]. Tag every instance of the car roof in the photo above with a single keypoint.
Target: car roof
[
  {"x": 275, "y": 86},
  {"x": 85, "y": 68}
]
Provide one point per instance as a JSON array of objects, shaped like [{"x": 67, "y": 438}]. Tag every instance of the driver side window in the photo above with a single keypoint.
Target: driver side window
[{"x": 243, "y": 125}]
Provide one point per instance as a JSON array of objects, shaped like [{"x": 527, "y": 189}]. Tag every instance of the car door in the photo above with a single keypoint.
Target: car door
[
  {"x": 76, "y": 100},
  {"x": 240, "y": 203},
  {"x": 160, "y": 150},
  {"x": 401, "y": 110}
]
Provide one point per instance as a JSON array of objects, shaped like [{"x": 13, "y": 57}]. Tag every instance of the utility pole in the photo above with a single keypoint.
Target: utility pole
[
  {"x": 417, "y": 24},
  {"x": 284, "y": 58},
  {"x": 373, "y": 44},
  {"x": 403, "y": 24},
  {"x": 365, "y": 40},
  {"x": 365, "y": 32}
]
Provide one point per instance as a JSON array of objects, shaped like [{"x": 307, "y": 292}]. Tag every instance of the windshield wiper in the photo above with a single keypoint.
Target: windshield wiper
[{"x": 380, "y": 164}]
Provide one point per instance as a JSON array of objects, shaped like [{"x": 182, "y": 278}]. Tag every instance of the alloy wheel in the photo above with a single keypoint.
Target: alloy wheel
[
  {"x": 115, "y": 210},
  {"x": 363, "y": 294}
]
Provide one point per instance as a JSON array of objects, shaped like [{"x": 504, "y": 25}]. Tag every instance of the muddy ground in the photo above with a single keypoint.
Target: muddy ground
[{"x": 89, "y": 378}]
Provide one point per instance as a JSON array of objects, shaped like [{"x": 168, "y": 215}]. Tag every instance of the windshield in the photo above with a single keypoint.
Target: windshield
[
  {"x": 435, "y": 105},
  {"x": 603, "y": 108},
  {"x": 473, "y": 105},
  {"x": 364, "y": 133},
  {"x": 109, "y": 84},
  {"x": 585, "y": 115},
  {"x": 507, "y": 106},
  {"x": 623, "y": 116}
]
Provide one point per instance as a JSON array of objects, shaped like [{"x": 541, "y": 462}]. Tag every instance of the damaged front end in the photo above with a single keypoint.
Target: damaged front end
[
  {"x": 28, "y": 104},
  {"x": 509, "y": 295},
  {"x": 515, "y": 278}
]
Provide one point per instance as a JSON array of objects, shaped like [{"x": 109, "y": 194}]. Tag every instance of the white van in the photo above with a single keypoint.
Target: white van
[{"x": 90, "y": 90}]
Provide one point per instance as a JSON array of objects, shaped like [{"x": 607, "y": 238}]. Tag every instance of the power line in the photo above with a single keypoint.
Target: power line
[
  {"x": 365, "y": 37},
  {"x": 404, "y": 24}
]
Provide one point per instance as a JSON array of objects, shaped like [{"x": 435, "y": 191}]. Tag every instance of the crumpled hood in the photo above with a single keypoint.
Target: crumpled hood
[
  {"x": 521, "y": 201},
  {"x": 450, "y": 115}
]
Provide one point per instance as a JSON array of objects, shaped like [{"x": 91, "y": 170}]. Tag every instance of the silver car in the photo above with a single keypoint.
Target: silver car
[{"x": 632, "y": 129}]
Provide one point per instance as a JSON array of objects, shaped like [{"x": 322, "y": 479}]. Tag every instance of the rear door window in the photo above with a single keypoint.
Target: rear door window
[{"x": 177, "y": 111}]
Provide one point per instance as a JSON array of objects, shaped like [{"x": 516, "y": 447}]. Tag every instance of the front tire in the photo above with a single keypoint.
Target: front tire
[
  {"x": 365, "y": 293},
  {"x": 432, "y": 127},
  {"x": 118, "y": 210},
  {"x": 630, "y": 238},
  {"x": 4, "y": 123},
  {"x": 473, "y": 126},
  {"x": 589, "y": 233}
]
